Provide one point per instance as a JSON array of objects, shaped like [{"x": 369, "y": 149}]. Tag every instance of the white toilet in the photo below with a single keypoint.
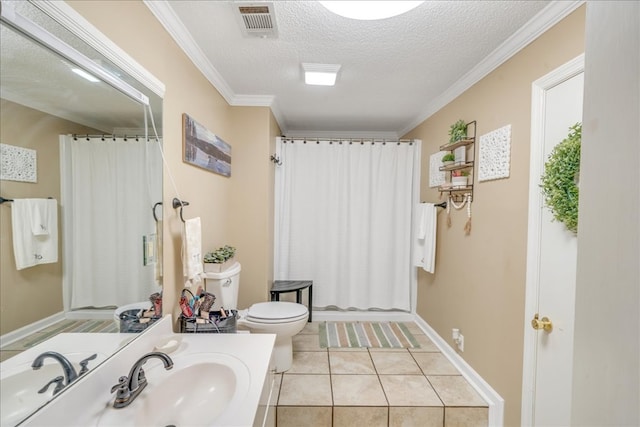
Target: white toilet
[{"x": 285, "y": 319}]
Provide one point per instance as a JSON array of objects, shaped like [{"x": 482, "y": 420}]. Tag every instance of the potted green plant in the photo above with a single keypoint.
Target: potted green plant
[
  {"x": 457, "y": 131},
  {"x": 219, "y": 259},
  {"x": 448, "y": 159},
  {"x": 460, "y": 178}
]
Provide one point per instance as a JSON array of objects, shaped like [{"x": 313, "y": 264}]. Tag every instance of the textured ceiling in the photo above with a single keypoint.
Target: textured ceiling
[
  {"x": 33, "y": 76},
  {"x": 393, "y": 70},
  {"x": 36, "y": 77}
]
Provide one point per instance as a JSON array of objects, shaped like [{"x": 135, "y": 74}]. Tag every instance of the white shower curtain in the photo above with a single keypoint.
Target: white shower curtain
[
  {"x": 343, "y": 220},
  {"x": 109, "y": 187}
]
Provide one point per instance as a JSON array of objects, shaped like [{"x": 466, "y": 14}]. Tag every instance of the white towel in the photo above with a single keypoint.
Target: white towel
[
  {"x": 425, "y": 241},
  {"x": 35, "y": 231},
  {"x": 43, "y": 214},
  {"x": 192, "y": 251},
  {"x": 158, "y": 266}
]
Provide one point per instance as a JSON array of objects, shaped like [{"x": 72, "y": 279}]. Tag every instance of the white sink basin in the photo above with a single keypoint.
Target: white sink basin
[
  {"x": 19, "y": 386},
  {"x": 202, "y": 389}
]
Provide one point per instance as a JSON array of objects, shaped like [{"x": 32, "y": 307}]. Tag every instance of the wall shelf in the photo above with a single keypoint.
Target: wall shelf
[
  {"x": 461, "y": 143},
  {"x": 458, "y": 193},
  {"x": 457, "y": 166}
]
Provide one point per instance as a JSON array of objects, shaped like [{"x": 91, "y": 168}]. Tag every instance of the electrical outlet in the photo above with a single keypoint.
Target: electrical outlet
[{"x": 458, "y": 338}]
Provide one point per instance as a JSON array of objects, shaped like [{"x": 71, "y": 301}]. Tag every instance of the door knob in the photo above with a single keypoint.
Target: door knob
[{"x": 543, "y": 323}]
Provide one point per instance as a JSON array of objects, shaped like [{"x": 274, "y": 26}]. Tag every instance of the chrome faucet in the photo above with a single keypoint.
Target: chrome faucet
[
  {"x": 128, "y": 388},
  {"x": 70, "y": 374}
]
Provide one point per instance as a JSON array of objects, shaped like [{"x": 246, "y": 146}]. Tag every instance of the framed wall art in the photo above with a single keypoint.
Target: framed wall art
[
  {"x": 18, "y": 164},
  {"x": 203, "y": 148}
]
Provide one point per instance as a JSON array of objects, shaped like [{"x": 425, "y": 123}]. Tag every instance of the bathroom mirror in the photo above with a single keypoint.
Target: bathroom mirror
[{"x": 43, "y": 98}]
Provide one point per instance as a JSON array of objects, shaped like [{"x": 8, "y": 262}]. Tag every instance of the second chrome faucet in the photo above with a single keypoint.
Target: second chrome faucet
[{"x": 129, "y": 387}]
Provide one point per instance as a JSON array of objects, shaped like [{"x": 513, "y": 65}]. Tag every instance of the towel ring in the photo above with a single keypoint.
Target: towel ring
[{"x": 177, "y": 203}]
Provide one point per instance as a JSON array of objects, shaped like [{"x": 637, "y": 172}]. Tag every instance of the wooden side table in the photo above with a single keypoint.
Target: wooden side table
[{"x": 283, "y": 286}]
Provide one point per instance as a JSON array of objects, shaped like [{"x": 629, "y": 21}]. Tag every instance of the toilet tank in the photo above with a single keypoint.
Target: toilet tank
[{"x": 224, "y": 285}]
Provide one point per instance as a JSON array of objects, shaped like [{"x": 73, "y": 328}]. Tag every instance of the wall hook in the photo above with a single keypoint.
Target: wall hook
[{"x": 275, "y": 159}]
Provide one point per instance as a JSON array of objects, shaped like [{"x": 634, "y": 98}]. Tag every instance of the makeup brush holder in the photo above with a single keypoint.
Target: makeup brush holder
[{"x": 217, "y": 323}]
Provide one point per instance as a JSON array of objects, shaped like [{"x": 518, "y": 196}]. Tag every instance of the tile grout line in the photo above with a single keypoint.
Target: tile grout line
[{"x": 424, "y": 374}]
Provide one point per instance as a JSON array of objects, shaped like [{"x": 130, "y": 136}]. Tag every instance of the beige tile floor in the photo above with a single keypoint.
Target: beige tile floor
[{"x": 374, "y": 387}]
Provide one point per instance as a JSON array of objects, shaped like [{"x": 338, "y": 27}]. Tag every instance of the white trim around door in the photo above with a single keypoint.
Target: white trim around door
[{"x": 538, "y": 90}]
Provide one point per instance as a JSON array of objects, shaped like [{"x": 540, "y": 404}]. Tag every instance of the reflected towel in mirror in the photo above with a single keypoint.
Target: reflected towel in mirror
[
  {"x": 34, "y": 225},
  {"x": 158, "y": 265}
]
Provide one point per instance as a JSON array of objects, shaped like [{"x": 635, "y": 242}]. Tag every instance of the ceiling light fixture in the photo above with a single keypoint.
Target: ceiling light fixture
[
  {"x": 370, "y": 10},
  {"x": 84, "y": 74},
  {"x": 320, "y": 74}
]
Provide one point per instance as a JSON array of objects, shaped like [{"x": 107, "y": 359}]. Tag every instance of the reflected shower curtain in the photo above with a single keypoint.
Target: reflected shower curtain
[
  {"x": 343, "y": 220},
  {"x": 109, "y": 187}
]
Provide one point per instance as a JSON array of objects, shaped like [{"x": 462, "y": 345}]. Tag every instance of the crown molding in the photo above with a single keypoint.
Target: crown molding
[
  {"x": 75, "y": 23},
  {"x": 277, "y": 114},
  {"x": 176, "y": 29},
  {"x": 252, "y": 100},
  {"x": 536, "y": 26}
]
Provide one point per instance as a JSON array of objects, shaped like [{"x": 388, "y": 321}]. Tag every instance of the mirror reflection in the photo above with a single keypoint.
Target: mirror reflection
[{"x": 96, "y": 154}]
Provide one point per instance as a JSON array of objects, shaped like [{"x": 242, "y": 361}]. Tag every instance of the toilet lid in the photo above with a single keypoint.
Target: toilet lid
[{"x": 276, "y": 310}]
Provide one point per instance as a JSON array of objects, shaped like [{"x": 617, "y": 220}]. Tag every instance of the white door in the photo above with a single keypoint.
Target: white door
[{"x": 551, "y": 259}]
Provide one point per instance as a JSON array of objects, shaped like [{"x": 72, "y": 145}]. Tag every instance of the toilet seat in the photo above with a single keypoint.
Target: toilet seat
[{"x": 276, "y": 312}]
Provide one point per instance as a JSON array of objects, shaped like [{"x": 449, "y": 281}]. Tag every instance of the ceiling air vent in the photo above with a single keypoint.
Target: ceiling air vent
[{"x": 257, "y": 19}]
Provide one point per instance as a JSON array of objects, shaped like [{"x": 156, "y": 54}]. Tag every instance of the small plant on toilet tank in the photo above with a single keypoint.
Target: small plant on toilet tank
[{"x": 219, "y": 259}]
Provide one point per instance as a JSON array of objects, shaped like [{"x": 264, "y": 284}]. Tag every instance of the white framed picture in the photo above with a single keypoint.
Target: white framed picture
[
  {"x": 18, "y": 164},
  {"x": 494, "y": 157}
]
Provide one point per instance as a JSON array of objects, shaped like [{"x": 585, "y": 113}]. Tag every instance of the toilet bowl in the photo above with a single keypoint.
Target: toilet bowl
[{"x": 284, "y": 319}]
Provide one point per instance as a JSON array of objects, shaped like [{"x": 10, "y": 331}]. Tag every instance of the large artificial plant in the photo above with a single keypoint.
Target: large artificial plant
[{"x": 559, "y": 181}]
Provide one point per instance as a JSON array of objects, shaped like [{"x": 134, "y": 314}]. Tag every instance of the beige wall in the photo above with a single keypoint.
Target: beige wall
[
  {"x": 233, "y": 210},
  {"x": 34, "y": 293},
  {"x": 251, "y": 202},
  {"x": 479, "y": 282}
]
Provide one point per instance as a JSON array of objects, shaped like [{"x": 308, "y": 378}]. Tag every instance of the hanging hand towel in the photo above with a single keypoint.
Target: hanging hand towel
[
  {"x": 425, "y": 241},
  {"x": 43, "y": 214},
  {"x": 35, "y": 231},
  {"x": 158, "y": 266},
  {"x": 192, "y": 251}
]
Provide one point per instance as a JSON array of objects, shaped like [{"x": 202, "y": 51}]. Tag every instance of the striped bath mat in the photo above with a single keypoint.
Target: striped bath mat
[{"x": 366, "y": 334}]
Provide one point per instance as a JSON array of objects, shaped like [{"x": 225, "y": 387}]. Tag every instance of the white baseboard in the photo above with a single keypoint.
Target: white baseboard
[
  {"x": 13, "y": 336},
  {"x": 18, "y": 334},
  {"x": 89, "y": 314},
  {"x": 495, "y": 401},
  {"x": 363, "y": 316}
]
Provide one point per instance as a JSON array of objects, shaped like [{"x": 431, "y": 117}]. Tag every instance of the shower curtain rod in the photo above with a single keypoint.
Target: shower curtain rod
[
  {"x": 349, "y": 140},
  {"x": 108, "y": 136}
]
